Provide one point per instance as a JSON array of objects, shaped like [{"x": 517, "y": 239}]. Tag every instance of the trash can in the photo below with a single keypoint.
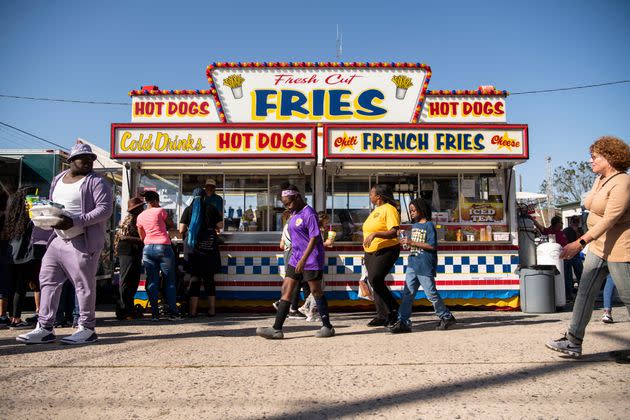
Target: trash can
[{"x": 537, "y": 288}]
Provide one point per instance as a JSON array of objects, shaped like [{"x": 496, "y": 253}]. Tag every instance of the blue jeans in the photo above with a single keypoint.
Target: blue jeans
[
  {"x": 595, "y": 271},
  {"x": 609, "y": 290},
  {"x": 412, "y": 282},
  {"x": 158, "y": 258},
  {"x": 574, "y": 265}
]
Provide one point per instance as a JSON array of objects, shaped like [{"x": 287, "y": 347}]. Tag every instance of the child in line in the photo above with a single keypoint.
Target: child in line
[{"x": 421, "y": 268}]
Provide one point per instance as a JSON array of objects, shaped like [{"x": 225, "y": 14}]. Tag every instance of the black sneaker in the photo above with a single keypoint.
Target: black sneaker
[
  {"x": 377, "y": 322},
  {"x": 400, "y": 327},
  {"x": 32, "y": 319},
  {"x": 296, "y": 315},
  {"x": 392, "y": 319},
  {"x": 446, "y": 323}
]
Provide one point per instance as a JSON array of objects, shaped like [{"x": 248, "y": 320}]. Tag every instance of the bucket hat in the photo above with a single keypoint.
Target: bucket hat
[{"x": 81, "y": 149}]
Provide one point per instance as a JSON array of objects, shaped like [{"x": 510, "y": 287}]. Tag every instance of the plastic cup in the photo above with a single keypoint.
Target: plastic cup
[{"x": 332, "y": 235}]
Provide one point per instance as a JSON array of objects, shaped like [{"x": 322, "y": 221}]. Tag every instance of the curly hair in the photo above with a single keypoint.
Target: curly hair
[
  {"x": 422, "y": 207},
  {"x": 614, "y": 150},
  {"x": 17, "y": 218}
]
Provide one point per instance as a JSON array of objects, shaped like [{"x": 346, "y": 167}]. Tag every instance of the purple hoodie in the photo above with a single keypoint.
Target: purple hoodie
[{"x": 96, "y": 208}]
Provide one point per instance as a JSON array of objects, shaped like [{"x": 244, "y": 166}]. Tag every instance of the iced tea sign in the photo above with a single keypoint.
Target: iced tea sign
[{"x": 319, "y": 92}]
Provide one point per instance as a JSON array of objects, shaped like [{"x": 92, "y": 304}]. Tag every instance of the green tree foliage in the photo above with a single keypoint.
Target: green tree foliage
[{"x": 570, "y": 181}]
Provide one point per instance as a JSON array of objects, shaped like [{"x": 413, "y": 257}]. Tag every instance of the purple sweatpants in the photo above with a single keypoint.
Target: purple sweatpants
[{"x": 67, "y": 259}]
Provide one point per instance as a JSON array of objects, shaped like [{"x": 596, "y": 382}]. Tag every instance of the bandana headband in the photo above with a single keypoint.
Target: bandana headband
[{"x": 289, "y": 193}]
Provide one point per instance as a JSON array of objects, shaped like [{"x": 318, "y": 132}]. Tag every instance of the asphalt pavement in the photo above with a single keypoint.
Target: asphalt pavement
[{"x": 490, "y": 365}]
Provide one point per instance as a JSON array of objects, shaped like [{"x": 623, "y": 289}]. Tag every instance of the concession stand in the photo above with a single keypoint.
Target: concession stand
[{"x": 334, "y": 130}]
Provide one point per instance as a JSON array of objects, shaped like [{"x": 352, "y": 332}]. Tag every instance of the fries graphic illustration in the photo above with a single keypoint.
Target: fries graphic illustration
[
  {"x": 402, "y": 84},
  {"x": 235, "y": 82}
]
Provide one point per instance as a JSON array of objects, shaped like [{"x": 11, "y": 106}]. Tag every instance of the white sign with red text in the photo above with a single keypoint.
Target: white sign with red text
[
  {"x": 174, "y": 109},
  {"x": 426, "y": 141},
  {"x": 463, "y": 109},
  {"x": 212, "y": 141}
]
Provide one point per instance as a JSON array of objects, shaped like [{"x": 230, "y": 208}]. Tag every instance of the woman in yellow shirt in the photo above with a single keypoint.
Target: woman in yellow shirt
[{"x": 381, "y": 246}]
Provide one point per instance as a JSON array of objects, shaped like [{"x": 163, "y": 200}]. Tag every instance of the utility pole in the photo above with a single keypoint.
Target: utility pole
[
  {"x": 549, "y": 179},
  {"x": 339, "y": 42}
]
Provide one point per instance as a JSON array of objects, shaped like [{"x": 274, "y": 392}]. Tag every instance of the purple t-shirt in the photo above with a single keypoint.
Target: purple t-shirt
[{"x": 303, "y": 226}]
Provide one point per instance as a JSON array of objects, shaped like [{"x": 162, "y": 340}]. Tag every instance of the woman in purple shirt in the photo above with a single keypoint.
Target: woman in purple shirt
[{"x": 306, "y": 263}]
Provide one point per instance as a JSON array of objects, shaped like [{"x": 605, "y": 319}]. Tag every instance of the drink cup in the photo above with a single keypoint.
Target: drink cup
[
  {"x": 403, "y": 236},
  {"x": 332, "y": 235}
]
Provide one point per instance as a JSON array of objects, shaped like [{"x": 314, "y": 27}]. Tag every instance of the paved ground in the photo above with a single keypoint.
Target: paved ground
[{"x": 492, "y": 365}]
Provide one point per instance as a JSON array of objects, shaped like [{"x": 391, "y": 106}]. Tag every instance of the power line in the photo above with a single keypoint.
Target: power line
[
  {"x": 339, "y": 40},
  {"x": 570, "y": 88},
  {"x": 65, "y": 100},
  {"x": 33, "y": 135}
]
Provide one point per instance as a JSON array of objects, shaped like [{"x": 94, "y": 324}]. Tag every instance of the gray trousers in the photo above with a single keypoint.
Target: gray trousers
[
  {"x": 595, "y": 271},
  {"x": 68, "y": 259}
]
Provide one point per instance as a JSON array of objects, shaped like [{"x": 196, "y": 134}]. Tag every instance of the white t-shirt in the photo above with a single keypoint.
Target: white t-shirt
[{"x": 70, "y": 196}]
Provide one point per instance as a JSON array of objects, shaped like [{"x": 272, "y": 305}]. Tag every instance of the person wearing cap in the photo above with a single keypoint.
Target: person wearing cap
[
  {"x": 75, "y": 247},
  {"x": 128, "y": 246},
  {"x": 212, "y": 197}
]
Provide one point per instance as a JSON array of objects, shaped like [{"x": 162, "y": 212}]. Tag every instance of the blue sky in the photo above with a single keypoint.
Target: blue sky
[{"x": 98, "y": 51}]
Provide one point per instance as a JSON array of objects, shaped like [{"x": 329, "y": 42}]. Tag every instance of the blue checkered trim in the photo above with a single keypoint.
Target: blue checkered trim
[{"x": 346, "y": 264}]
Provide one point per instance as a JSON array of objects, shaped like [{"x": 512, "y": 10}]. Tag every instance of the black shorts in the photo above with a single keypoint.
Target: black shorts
[{"x": 305, "y": 275}]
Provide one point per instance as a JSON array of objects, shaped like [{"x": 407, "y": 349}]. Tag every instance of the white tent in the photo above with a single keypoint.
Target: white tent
[{"x": 527, "y": 196}]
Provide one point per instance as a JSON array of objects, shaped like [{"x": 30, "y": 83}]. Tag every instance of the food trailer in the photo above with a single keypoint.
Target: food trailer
[{"x": 334, "y": 130}]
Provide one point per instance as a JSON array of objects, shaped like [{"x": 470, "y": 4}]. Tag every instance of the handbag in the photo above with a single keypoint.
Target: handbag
[
  {"x": 365, "y": 290},
  {"x": 207, "y": 241}
]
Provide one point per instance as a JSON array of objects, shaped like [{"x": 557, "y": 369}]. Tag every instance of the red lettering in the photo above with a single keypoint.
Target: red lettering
[
  {"x": 224, "y": 141},
  {"x": 172, "y": 108},
  {"x": 203, "y": 108},
  {"x": 466, "y": 108},
  {"x": 498, "y": 108},
  {"x": 434, "y": 108},
  {"x": 300, "y": 141},
  {"x": 138, "y": 108}
]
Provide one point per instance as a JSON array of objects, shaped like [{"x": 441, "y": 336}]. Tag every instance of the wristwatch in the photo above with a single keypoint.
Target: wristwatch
[{"x": 582, "y": 243}]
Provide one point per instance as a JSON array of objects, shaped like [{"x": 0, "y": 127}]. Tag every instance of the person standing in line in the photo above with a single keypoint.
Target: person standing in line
[
  {"x": 24, "y": 256},
  {"x": 211, "y": 196},
  {"x": 421, "y": 269},
  {"x": 574, "y": 265},
  {"x": 306, "y": 263},
  {"x": 381, "y": 246},
  {"x": 555, "y": 228},
  {"x": 199, "y": 224},
  {"x": 609, "y": 291},
  {"x": 157, "y": 255},
  {"x": 75, "y": 247},
  {"x": 128, "y": 247},
  {"x": 608, "y": 237}
]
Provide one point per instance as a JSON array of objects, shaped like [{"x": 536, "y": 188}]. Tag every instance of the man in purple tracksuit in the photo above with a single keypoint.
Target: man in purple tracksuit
[{"x": 74, "y": 248}]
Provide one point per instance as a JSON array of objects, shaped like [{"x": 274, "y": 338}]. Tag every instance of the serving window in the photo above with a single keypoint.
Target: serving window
[{"x": 465, "y": 206}]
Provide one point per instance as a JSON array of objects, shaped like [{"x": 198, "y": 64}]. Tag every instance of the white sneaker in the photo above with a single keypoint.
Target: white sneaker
[
  {"x": 83, "y": 335},
  {"x": 39, "y": 335}
]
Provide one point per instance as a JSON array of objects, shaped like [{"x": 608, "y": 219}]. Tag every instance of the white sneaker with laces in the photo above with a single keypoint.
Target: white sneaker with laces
[
  {"x": 83, "y": 335},
  {"x": 39, "y": 335},
  {"x": 564, "y": 345},
  {"x": 607, "y": 318}
]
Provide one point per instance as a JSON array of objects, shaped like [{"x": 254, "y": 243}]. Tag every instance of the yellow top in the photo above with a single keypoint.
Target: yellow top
[{"x": 382, "y": 219}]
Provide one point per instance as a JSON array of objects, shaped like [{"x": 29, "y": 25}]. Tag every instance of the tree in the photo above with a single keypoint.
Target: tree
[{"x": 570, "y": 182}]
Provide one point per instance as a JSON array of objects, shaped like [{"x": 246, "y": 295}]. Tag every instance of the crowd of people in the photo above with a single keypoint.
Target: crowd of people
[{"x": 60, "y": 265}]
